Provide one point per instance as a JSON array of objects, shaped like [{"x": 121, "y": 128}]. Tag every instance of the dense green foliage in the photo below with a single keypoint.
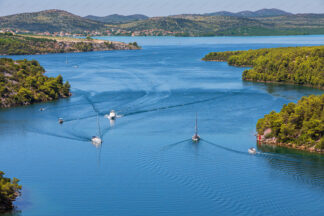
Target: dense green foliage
[
  {"x": 134, "y": 44},
  {"x": 301, "y": 123},
  {"x": 23, "y": 82},
  {"x": 9, "y": 190},
  {"x": 296, "y": 65},
  {"x": 84, "y": 47},
  {"x": 221, "y": 56}
]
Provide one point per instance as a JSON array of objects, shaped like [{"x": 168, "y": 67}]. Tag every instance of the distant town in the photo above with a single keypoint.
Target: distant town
[{"x": 108, "y": 32}]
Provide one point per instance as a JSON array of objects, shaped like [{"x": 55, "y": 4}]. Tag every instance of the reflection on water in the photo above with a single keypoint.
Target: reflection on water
[
  {"x": 112, "y": 122},
  {"x": 283, "y": 90},
  {"x": 12, "y": 213},
  {"x": 303, "y": 166}
]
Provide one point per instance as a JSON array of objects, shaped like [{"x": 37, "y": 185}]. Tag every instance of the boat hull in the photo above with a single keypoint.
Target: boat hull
[{"x": 252, "y": 151}]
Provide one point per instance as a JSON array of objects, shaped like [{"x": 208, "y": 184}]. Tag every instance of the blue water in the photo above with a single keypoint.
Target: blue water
[{"x": 147, "y": 164}]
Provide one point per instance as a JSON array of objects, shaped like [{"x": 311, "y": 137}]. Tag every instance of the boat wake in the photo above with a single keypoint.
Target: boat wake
[{"x": 75, "y": 138}]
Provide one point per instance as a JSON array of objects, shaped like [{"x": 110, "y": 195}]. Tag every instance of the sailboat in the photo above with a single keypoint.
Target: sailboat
[
  {"x": 112, "y": 115},
  {"x": 96, "y": 140},
  {"x": 196, "y": 137},
  {"x": 252, "y": 151}
]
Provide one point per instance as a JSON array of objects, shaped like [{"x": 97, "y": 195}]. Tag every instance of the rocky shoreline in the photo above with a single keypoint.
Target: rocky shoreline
[
  {"x": 36, "y": 45},
  {"x": 274, "y": 142},
  {"x": 97, "y": 45}
]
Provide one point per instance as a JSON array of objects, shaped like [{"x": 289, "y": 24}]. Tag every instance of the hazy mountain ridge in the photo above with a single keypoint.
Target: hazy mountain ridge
[
  {"x": 261, "y": 22},
  {"x": 259, "y": 13},
  {"x": 117, "y": 19}
]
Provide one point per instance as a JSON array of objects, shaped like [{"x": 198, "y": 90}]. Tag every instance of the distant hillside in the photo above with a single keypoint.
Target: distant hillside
[
  {"x": 263, "y": 13},
  {"x": 49, "y": 20},
  {"x": 258, "y": 13},
  {"x": 245, "y": 23},
  {"x": 301, "y": 21},
  {"x": 117, "y": 19},
  {"x": 198, "y": 25}
]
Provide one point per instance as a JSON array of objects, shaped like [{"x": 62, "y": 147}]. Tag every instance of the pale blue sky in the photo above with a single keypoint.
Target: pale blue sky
[{"x": 157, "y": 7}]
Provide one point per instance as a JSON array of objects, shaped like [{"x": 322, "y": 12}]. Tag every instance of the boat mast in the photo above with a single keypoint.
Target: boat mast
[
  {"x": 99, "y": 130},
  {"x": 196, "y": 128}
]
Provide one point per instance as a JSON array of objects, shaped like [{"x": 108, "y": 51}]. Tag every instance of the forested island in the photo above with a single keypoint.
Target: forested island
[
  {"x": 11, "y": 44},
  {"x": 23, "y": 82},
  {"x": 9, "y": 191},
  {"x": 294, "y": 65},
  {"x": 299, "y": 126}
]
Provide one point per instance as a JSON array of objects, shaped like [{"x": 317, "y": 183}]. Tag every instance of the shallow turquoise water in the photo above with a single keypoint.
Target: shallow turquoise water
[{"x": 147, "y": 165}]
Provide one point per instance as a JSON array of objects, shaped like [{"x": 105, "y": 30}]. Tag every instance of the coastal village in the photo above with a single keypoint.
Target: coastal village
[{"x": 108, "y": 32}]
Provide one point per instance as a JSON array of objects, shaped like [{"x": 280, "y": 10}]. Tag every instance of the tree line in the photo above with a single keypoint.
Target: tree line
[
  {"x": 300, "y": 123},
  {"x": 23, "y": 82},
  {"x": 295, "y": 65},
  {"x": 9, "y": 191}
]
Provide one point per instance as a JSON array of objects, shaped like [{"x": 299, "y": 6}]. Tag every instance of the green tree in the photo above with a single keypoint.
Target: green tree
[
  {"x": 301, "y": 123},
  {"x": 9, "y": 191}
]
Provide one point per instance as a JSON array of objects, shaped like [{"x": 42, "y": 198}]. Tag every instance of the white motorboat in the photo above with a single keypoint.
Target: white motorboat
[
  {"x": 252, "y": 151},
  {"x": 96, "y": 140},
  {"x": 60, "y": 120},
  {"x": 196, "y": 137}
]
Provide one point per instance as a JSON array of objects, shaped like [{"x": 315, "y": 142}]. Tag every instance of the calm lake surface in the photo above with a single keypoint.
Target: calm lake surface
[{"x": 147, "y": 164}]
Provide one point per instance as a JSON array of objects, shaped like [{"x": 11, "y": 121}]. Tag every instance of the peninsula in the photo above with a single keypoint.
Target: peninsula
[
  {"x": 23, "y": 82},
  {"x": 291, "y": 65},
  {"x": 11, "y": 44}
]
